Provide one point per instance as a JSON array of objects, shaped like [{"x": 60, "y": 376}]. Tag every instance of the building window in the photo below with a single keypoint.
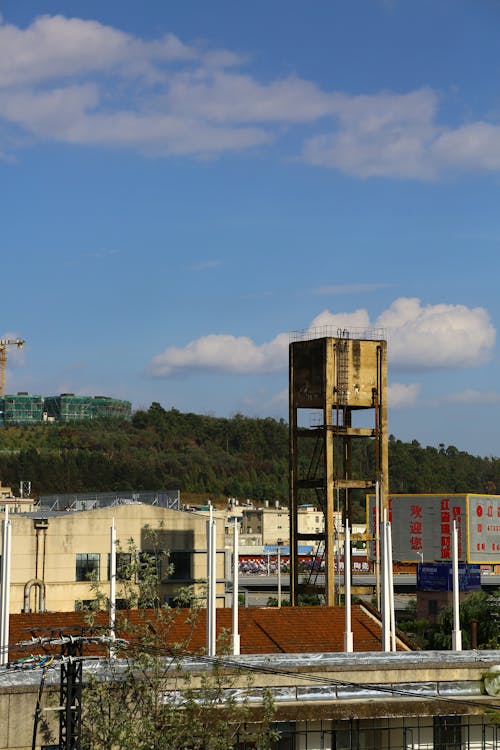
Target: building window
[
  {"x": 285, "y": 741},
  {"x": 148, "y": 565},
  {"x": 345, "y": 735},
  {"x": 87, "y": 566},
  {"x": 447, "y": 732},
  {"x": 123, "y": 563},
  {"x": 83, "y": 605},
  {"x": 181, "y": 561}
]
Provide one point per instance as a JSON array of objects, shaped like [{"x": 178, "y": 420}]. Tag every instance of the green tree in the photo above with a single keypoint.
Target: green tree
[
  {"x": 479, "y": 610},
  {"x": 152, "y": 696}
]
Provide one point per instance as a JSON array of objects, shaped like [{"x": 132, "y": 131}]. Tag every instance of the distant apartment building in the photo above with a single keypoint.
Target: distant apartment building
[
  {"x": 272, "y": 525},
  {"x": 23, "y": 408}
]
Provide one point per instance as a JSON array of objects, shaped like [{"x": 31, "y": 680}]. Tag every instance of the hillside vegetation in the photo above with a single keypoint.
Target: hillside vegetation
[{"x": 238, "y": 457}]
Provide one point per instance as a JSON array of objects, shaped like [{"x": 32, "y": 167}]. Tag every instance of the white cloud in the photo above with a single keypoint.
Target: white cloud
[
  {"x": 403, "y": 394},
  {"x": 82, "y": 82},
  {"x": 223, "y": 353},
  {"x": 436, "y": 336},
  {"x": 384, "y": 134},
  {"x": 55, "y": 47},
  {"x": 398, "y": 135},
  {"x": 357, "y": 319},
  {"x": 264, "y": 403},
  {"x": 472, "y": 396},
  {"x": 474, "y": 146},
  {"x": 420, "y": 338},
  {"x": 239, "y": 98}
]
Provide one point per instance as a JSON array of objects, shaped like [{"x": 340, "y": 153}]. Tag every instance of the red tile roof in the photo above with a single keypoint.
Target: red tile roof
[{"x": 263, "y": 630}]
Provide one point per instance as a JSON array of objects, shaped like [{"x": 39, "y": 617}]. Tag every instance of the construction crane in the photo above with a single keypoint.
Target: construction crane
[{"x": 4, "y": 343}]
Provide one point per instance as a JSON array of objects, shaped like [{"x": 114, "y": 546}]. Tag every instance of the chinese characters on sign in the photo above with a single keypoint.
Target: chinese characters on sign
[
  {"x": 484, "y": 525},
  {"x": 422, "y": 527}
]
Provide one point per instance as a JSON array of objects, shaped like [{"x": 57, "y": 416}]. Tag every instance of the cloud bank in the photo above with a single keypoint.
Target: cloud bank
[
  {"x": 420, "y": 337},
  {"x": 223, "y": 353},
  {"x": 400, "y": 394},
  {"x": 81, "y": 82}
]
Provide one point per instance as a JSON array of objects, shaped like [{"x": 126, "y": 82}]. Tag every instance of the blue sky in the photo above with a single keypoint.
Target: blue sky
[{"x": 183, "y": 184}]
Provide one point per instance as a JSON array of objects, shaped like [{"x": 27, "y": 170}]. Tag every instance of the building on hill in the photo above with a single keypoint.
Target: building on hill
[
  {"x": 55, "y": 552},
  {"x": 23, "y": 408},
  {"x": 69, "y": 408}
]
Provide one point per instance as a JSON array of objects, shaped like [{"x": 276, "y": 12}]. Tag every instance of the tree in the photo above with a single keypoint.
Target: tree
[
  {"x": 479, "y": 610},
  {"x": 154, "y": 694}
]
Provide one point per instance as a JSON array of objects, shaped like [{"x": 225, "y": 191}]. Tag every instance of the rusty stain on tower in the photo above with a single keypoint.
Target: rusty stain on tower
[{"x": 339, "y": 382}]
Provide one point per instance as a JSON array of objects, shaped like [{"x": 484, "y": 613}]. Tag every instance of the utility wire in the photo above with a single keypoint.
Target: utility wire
[
  {"x": 29, "y": 662},
  {"x": 225, "y": 661}
]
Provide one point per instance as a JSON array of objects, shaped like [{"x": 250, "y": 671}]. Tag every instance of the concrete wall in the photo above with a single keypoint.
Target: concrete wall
[{"x": 322, "y": 698}]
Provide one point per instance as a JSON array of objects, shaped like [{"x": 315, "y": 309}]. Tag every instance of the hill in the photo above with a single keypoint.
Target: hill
[{"x": 210, "y": 456}]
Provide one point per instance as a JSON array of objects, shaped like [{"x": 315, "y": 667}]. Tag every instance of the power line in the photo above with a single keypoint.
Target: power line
[
  {"x": 242, "y": 666},
  {"x": 30, "y": 662}
]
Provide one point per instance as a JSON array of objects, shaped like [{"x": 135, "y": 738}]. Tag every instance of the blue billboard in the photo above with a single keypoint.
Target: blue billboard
[{"x": 439, "y": 577}]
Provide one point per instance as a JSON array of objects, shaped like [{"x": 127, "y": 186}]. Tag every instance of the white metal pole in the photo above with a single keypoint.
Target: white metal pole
[
  {"x": 386, "y": 644},
  {"x": 112, "y": 580},
  {"x": 5, "y": 594},
  {"x": 236, "y": 635},
  {"x": 348, "y": 639},
  {"x": 391, "y": 587},
  {"x": 456, "y": 637},
  {"x": 213, "y": 590},
  {"x": 2, "y": 592},
  {"x": 209, "y": 584},
  {"x": 377, "y": 544},
  {"x": 279, "y": 574},
  {"x": 7, "y": 591}
]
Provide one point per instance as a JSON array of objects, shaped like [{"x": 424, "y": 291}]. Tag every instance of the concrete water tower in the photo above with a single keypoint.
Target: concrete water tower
[{"x": 337, "y": 394}]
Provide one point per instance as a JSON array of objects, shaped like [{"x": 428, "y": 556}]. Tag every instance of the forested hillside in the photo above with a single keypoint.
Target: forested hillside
[{"x": 238, "y": 457}]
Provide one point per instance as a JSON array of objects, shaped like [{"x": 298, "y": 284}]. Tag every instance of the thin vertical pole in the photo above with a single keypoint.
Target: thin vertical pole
[
  {"x": 214, "y": 587},
  {"x": 279, "y": 574},
  {"x": 377, "y": 543},
  {"x": 5, "y": 593},
  {"x": 386, "y": 641},
  {"x": 2, "y": 592},
  {"x": 112, "y": 580},
  {"x": 391, "y": 587},
  {"x": 457, "y": 633},
  {"x": 348, "y": 639},
  {"x": 236, "y": 635},
  {"x": 211, "y": 583}
]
